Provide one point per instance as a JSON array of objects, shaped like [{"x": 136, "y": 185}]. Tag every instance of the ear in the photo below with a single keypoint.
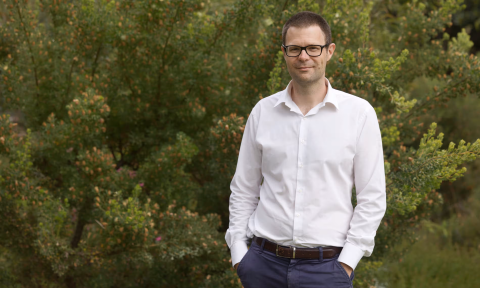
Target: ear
[
  {"x": 284, "y": 54},
  {"x": 331, "y": 49}
]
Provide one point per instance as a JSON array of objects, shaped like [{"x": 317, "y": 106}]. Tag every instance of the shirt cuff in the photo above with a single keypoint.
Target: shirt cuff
[
  {"x": 238, "y": 250},
  {"x": 350, "y": 255}
]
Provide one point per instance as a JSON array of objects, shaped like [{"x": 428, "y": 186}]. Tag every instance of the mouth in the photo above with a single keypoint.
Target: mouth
[{"x": 304, "y": 68}]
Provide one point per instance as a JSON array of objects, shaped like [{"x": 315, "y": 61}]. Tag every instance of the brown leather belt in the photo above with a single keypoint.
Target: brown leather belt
[{"x": 294, "y": 252}]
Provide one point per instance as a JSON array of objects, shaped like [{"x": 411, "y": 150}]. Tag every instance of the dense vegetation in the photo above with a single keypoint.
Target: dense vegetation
[{"x": 134, "y": 112}]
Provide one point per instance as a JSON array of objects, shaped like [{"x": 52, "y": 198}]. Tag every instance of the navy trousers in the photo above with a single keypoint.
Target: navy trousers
[{"x": 260, "y": 268}]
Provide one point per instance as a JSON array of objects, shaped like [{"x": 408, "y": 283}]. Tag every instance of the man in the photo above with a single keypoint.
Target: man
[{"x": 302, "y": 152}]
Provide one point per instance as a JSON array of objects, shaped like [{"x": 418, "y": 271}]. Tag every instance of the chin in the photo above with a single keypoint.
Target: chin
[{"x": 302, "y": 78}]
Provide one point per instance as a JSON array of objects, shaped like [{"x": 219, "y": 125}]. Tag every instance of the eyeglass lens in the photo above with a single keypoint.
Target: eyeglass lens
[{"x": 311, "y": 50}]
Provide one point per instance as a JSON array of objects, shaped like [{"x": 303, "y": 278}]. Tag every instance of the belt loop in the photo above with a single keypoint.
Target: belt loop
[
  {"x": 263, "y": 244},
  {"x": 320, "y": 248}
]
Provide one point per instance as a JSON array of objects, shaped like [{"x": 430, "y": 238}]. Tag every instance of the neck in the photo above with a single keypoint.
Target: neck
[{"x": 307, "y": 97}]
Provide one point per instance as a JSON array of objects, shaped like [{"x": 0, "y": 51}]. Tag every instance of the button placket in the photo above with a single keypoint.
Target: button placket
[{"x": 298, "y": 219}]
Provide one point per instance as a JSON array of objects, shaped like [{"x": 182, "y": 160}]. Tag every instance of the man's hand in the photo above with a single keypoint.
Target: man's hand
[
  {"x": 236, "y": 266},
  {"x": 347, "y": 268}
]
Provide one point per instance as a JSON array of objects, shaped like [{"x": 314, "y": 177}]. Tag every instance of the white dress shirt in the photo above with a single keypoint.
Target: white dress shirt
[{"x": 309, "y": 165}]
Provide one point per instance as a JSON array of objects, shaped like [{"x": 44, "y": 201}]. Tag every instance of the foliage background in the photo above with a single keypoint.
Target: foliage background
[{"x": 124, "y": 120}]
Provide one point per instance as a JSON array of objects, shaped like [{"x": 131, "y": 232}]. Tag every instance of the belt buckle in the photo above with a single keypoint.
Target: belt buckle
[{"x": 293, "y": 256}]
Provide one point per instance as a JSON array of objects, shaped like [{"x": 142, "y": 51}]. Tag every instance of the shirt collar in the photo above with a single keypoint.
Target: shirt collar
[{"x": 286, "y": 97}]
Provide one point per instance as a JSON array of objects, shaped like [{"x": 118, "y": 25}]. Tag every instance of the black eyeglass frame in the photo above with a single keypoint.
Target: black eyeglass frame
[{"x": 305, "y": 48}]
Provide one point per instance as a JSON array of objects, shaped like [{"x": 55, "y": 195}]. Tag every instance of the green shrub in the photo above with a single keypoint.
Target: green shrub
[
  {"x": 119, "y": 174},
  {"x": 446, "y": 254}
]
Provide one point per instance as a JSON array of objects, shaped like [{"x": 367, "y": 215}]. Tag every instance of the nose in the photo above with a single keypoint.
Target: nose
[{"x": 303, "y": 55}]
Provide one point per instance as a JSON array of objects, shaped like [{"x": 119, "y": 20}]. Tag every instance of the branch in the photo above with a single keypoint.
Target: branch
[
  {"x": 428, "y": 101},
  {"x": 200, "y": 181},
  {"x": 440, "y": 157},
  {"x": 29, "y": 46},
  {"x": 69, "y": 80},
  {"x": 77, "y": 236},
  {"x": 128, "y": 80},
  {"x": 113, "y": 152},
  {"x": 95, "y": 62},
  {"x": 159, "y": 83}
]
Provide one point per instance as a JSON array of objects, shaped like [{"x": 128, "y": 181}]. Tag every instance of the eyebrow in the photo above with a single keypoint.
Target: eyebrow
[{"x": 305, "y": 45}]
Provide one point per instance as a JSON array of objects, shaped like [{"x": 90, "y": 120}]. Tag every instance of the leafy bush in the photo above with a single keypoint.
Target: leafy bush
[
  {"x": 134, "y": 112},
  {"x": 446, "y": 254}
]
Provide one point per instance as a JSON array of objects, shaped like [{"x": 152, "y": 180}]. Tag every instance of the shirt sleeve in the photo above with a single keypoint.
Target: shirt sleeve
[
  {"x": 369, "y": 177},
  {"x": 245, "y": 187}
]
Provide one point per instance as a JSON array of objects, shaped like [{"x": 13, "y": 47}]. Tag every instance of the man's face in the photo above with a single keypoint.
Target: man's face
[{"x": 304, "y": 69}]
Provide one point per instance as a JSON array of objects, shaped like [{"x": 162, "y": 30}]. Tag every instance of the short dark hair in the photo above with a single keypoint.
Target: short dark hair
[{"x": 306, "y": 19}]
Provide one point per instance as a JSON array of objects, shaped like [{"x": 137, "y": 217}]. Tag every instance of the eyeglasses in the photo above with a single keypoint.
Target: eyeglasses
[{"x": 312, "y": 50}]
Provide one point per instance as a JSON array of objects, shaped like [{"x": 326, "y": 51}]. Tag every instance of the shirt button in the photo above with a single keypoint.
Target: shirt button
[
  {"x": 300, "y": 165},
  {"x": 298, "y": 215},
  {"x": 299, "y": 190},
  {"x": 303, "y": 141}
]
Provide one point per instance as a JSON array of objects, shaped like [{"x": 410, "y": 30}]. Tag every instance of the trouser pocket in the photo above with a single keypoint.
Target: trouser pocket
[
  {"x": 350, "y": 278},
  {"x": 242, "y": 262}
]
